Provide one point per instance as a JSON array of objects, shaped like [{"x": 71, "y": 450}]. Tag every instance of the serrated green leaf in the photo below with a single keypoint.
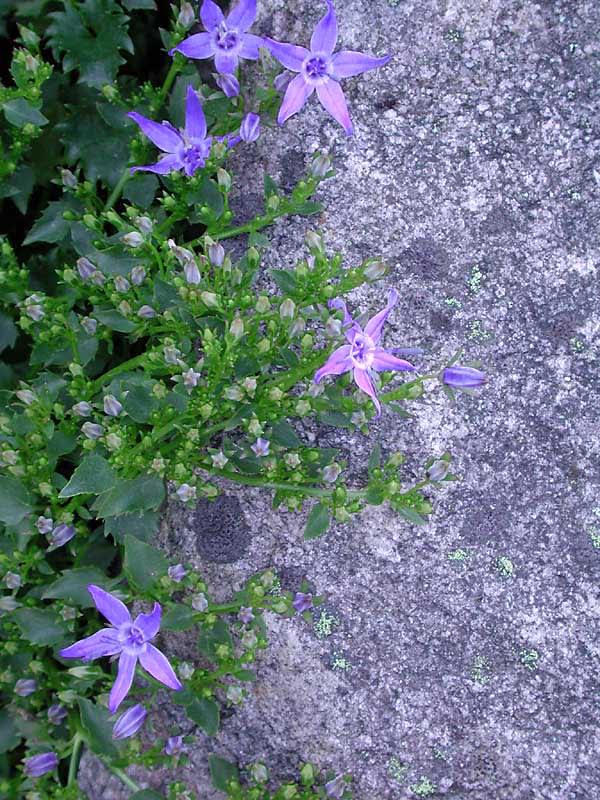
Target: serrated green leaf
[
  {"x": 8, "y": 332},
  {"x": 19, "y": 112},
  {"x": 51, "y": 226},
  {"x": 144, "y": 564},
  {"x": 97, "y": 724},
  {"x": 15, "y": 501},
  {"x": 178, "y": 618},
  {"x": 222, "y": 772},
  {"x": 141, "y": 189},
  {"x": 205, "y": 713},
  {"x": 142, "y": 526},
  {"x": 90, "y": 36},
  {"x": 127, "y": 497},
  {"x": 318, "y": 521},
  {"x": 72, "y": 586},
  {"x": 39, "y": 626},
  {"x": 93, "y": 476}
]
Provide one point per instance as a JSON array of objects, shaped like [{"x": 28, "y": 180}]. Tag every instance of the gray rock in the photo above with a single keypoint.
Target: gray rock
[{"x": 463, "y": 654}]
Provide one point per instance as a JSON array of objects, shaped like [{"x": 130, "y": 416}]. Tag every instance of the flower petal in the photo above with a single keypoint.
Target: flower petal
[
  {"x": 154, "y": 662},
  {"x": 386, "y": 361},
  {"x": 349, "y": 62},
  {"x": 163, "y": 136},
  {"x": 149, "y": 624},
  {"x": 250, "y": 46},
  {"x": 162, "y": 167},
  {"x": 102, "y": 643},
  {"x": 325, "y": 34},
  {"x": 211, "y": 15},
  {"x": 332, "y": 97},
  {"x": 337, "y": 363},
  {"x": 109, "y": 606},
  {"x": 290, "y": 55},
  {"x": 374, "y": 326},
  {"x": 296, "y": 94},
  {"x": 195, "y": 121},
  {"x": 123, "y": 681},
  {"x": 225, "y": 63},
  {"x": 243, "y": 15},
  {"x": 200, "y": 45},
  {"x": 364, "y": 382}
]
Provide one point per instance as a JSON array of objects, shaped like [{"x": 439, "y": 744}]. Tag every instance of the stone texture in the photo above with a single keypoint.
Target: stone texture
[{"x": 464, "y": 652}]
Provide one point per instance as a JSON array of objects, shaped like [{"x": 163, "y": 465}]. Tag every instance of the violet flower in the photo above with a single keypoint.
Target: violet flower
[
  {"x": 62, "y": 534},
  {"x": 25, "y": 687},
  {"x": 260, "y": 448},
  {"x": 128, "y": 638},
  {"x": 174, "y": 745},
  {"x": 225, "y": 38},
  {"x": 362, "y": 354},
  {"x": 57, "y": 714},
  {"x": 302, "y": 602},
  {"x": 321, "y": 70},
  {"x": 40, "y": 764},
  {"x": 130, "y": 722},
  {"x": 186, "y": 149},
  {"x": 463, "y": 377}
]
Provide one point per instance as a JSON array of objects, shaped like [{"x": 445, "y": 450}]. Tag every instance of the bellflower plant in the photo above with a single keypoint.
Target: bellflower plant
[
  {"x": 320, "y": 69},
  {"x": 144, "y": 365}
]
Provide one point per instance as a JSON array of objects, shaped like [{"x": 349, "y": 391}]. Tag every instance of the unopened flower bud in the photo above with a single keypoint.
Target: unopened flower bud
[
  {"x": 199, "y": 602},
  {"x": 69, "y": 181},
  {"x": 44, "y": 524},
  {"x": 138, "y": 275},
  {"x": 250, "y": 128},
  {"x": 314, "y": 242},
  {"x": 35, "y": 312},
  {"x": 146, "y": 312},
  {"x": 85, "y": 268},
  {"x": 25, "y": 687},
  {"x": 113, "y": 441},
  {"x": 112, "y": 407},
  {"x": 130, "y": 722},
  {"x": 438, "y": 470},
  {"x": 331, "y": 473},
  {"x": 259, "y": 773},
  {"x": 275, "y": 394},
  {"x": 174, "y": 746},
  {"x": 186, "y": 493},
  {"x": 209, "y": 299},
  {"x": 191, "y": 272},
  {"x": 82, "y": 409},
  {"x": 224, "y": 179},
  {"x": 233, "y": 393},
  {"x": 236, "y": 329},
  {"x": 186, "y": 16},
  {"x": 262, "y": 304},
  {"x": 302, "y": 407},
  {"x": 144, "y": 224},
  {"x": 132, "y": 239},
  {"x": 97, "y": 278},
  {"x": 62, "y": 534},
  {"x": 12, "y": 580},
  {"x": 125, "y": 308},
  {"x": 287, "y": 309},
  {"x": 463, "y": 377},
  {"x": 92, "y": 431},
  {"x": 122, "y": 285},
  {"x": 336, "y": 787},
  {"x": 177, "y": 573},
  {"x": 57, "y": 714},
  {"x": 228, "y": 84},
  {"x": 234, "y": 694},
  {"x": 40, "y": 764},
  {"x": 26, "y": 396},
  {"x": 320, "y": 166},
  {"x": 375, "y": 270},
  {"x": 89, "y": 325},
  {"x": 185, "y": 670},
  {"x": 216, "y": 254},
  {"x": 298, "y": 327}
]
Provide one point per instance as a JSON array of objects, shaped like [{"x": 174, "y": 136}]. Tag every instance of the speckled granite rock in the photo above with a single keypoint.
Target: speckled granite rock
[{"x": 463, "y": 655}]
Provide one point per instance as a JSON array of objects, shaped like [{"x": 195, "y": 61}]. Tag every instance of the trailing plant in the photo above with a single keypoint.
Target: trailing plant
[{"x": 141, "y": 353}]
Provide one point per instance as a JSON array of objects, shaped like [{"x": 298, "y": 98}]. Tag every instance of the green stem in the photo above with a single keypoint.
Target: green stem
[
  {"x": 168, "y": 82},
  {"x": 78, "y": 742},
  {"x": 126, "y": 365},
  {"x": 123, "y": 776},
  {"x": 250, "y": 480},
  {"x": 116, "y": 192}
]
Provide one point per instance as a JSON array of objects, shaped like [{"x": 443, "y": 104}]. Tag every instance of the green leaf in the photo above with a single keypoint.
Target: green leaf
[
  {"x": 245, "y": 675},
  {"x": 211, "y": 636},
  {"x": 144, "y": 564},
  {"x": 39, "y": 625},
  {"x": 72, "y": 586},
  {"x": 127, "y": 497},
  {"x": 97, "y": 724},
  {"x": 142, "y": 526},
  {"x": 19, "y": 112},
  {"x": 412, "y": 516},
  {"x": 336, "y": 419},
  {"x": 50, "y": 227},
  {"x": 222, "y": 772},
  {"x": 133, "y": 5},
  {"x": 307, "y": 208},
  {"x": 178, "y": 618},
  {"x": 9, "y": 736},
  {"x": 139, "y": 403},
  {"x": 19, "y": 187},
  {"x": 205, "y": 713},
  {"x": 141, "y": 189},
  {"x": 270, "y": 187},
  {"x": 283, "y": 433},
  {"x": 61, "y": 444},
  {"x": 90, "y": 36},
  {"x": 318, "y": 521},
  {"x": 375, "y": 495},
  {"x": 114, "y": 320},
  {"x": 8, "y": 332},
  {"x": 285, "y": 279},
  {"x": 375, "y": 458},
  {"x": 93, "y": 476},
  {"x": 146, "y": 794},
  {"x": 15, "y": 501}
]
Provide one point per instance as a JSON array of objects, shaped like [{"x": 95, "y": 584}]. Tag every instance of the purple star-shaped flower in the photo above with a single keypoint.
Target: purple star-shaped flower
[
  {"x": 187, "y": 149},
  {"x": 225, "y": 38},
  {"x": 321, "y": 70},
  {"x": 362, "y": 354},
  {"x": 128, "y": 638}
]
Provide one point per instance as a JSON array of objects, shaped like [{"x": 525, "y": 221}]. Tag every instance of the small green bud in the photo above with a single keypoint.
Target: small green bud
[
  {"x": 262, "y": 304},
  {"x": 307, "y": 774},
  {"x": 209, "y": 299}
]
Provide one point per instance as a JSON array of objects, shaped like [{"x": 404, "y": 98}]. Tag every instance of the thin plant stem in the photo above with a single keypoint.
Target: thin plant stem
[{"x": 78, "y": 742}]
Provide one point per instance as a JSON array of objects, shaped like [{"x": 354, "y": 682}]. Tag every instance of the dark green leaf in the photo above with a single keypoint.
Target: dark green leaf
[
  {"x": 222, "y": 772},
  {"x": 140, "y": 190},
  {"x": 90, "y": 36},
  {"x": 335, "y": 419},
  {"x": 270, "y": 186},
  {"x": 8, "y": 332},
  {"x": 318, "y": 522},
  {"x": 97, "y": 724},
  {"x": 19, "y": 187},
  {"x": 9, "y": 736},
  {"x": 412, "y": 516},
  {"x": 146, "y": 794},
  {"x": 15, "y": 501},
  {"x": 211, "y": 636},
  {"x": 139, "y": 403},
  {"x": 61, "y": 444},
  {"x": 134, "y": 5},
  {"x": 142, "y": 526},
  {"x": 50, "y": 227},
  {"x": 178, "y": 618},
  {"x": 375, "y": 495},
  {"x": 19, "y": 112},
  {"x": 205, "y": 713},
  {"x": 138, "y": 494},
  {"x": 307, "y": 208},
  {"x": 114, "y": 320},
  {"x": 375, "y": 458},
  {"x": 285, "y": 279},
  {"x": 93, "y": 476},
  {"x": 39, "y": 625},
  {"x": 245, "y": 675},
  {"x": 72, "y": 586},
  {"x": 144, "y": 564},
  {"x": 283, "y": 433}
]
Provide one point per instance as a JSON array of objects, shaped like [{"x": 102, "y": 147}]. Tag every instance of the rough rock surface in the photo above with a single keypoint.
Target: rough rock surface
[{"x": 464, "y": 655}]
